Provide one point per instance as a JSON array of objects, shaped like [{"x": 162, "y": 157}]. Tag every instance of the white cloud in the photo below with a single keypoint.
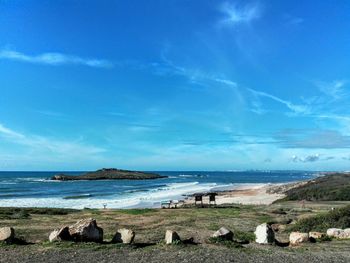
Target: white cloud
[
  {"x": 298, "y": 109},
  {"x": 54, "y": 59},
  {"x": 334, "y": 89},
  {"x": 44, "y": 144},
  {"x": 235, "y": 14},
  {"x": 10, "y": 133}
]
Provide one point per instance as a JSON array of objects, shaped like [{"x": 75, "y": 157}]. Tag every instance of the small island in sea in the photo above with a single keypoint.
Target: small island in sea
[{"x": 109, "y": 174}]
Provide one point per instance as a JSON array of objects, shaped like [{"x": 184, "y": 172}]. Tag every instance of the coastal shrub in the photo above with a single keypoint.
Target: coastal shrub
[
  {"x": 244, "y": 236},
  {"x": 22, "y": 214},
  {"x": 334, "y": 187},
  {"x": 338, "y": 218}
]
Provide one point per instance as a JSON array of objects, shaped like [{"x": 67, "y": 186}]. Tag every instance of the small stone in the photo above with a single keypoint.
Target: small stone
[
  {"x": 124, "y": 235},
  {"x": 61, "y": 234},
  {"x": 296, "y": 238},
  {"x": 223, "y": 233},
  {"x": 264, "y": 234},
  {"x": 7, "y": 234},
  {"x": 171, "y": 237}
]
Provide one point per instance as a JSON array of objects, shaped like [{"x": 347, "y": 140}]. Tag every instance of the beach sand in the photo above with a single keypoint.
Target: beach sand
[{"x": 248, "y": 194}]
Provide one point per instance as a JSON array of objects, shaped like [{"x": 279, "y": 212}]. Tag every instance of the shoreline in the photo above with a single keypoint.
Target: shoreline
[
  {"x": 242, "y": 194},
  {"x": 247, "y": 194}
]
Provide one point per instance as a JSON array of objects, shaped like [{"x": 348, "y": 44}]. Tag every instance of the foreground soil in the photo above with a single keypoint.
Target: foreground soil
[
  {"x": 338, "y": 252},
  {"x": 34, "y": 225}
]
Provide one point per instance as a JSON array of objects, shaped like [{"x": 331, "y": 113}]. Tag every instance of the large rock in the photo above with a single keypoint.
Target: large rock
[
  {"x": 7, "y": 234},
  {"x": 86, "y": 230},
  {"x": 223, "y": 233},
  {"x": 335, "y": 232},
  {"x": 61, "y": 234},
  {"x": 171, "y": 237},
  {"x": 296, "y": 238},
  {"x": 264, "y": 234},
  {"x": 339, "y": 233},
  {"x": 346, "y": 233},
  {"x": 123, "y": 235}
]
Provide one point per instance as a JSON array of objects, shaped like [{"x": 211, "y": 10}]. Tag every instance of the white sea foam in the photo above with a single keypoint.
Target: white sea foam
[{"x": 151, "y": 198}]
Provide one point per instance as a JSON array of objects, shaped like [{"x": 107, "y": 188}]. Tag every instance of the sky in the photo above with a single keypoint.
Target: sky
[{"x": 174, "y": 85}]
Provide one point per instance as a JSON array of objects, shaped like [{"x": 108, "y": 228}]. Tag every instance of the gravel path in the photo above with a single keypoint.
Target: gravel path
[{"x": 202, "y": 254}]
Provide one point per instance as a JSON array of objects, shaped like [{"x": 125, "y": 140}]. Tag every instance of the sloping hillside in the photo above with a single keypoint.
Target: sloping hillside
[{"x": 331, "y": 187}]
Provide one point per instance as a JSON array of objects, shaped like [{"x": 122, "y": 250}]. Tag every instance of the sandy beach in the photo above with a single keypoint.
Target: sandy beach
[{"x": 246, "y": 194}]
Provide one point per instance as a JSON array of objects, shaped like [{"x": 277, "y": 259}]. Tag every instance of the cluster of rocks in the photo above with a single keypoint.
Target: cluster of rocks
[
  {"x": 265, "y": 235},
  {"x": 86, "y": 230}
]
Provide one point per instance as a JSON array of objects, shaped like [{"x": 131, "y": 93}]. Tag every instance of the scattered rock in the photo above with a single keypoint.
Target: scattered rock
[
  {"x": 7, "y": 234},
  {"x": 339, "y": 233},
  {"x": 335, "y": 232},
  {"x": 86, "y": 230},
  {"x": 61, "y": 234},
  {"x": 316, "y": 235},
  {"x": 264, "y": 234},
  {"x": 346, "y": 233},
  {"x": 223, "y": 233},
  {"x": 171, "y": 237},
  {"x": 124, "y": 235},
  {"x": 296, "y": 238}
]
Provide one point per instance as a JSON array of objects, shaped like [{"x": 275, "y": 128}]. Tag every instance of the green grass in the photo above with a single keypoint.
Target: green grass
[
  {"x": 138, "y": 211},
  {"x": 339, "y": 218},
  {"x": 243, "y": 236},
  {"x": 24, "y": 213}
]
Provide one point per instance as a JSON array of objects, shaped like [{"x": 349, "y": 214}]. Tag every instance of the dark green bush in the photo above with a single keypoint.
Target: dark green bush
[{"x": 339, "y": 218}]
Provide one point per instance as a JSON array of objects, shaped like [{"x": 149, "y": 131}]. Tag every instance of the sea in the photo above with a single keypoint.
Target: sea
[{"x": 35, "y": 189}]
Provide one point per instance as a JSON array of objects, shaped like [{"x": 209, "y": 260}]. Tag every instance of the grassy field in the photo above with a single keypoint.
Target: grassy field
[{"x": 34, "y": 224}]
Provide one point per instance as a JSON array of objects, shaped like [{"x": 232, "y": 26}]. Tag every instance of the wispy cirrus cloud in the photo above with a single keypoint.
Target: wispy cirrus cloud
[
  {"x": 321, "y": 139},
  {"x": 54, "y": 59},
  {"x": 293, "y": 20},
  {"x": 45, "y": 144},
  {"x": 295, "y": 108},
  {"x": 235, "y": 14},
  {"x": 334, "y": 89}
]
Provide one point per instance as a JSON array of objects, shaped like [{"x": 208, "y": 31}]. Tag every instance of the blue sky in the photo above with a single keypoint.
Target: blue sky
[{"x": 174, "y": 85}]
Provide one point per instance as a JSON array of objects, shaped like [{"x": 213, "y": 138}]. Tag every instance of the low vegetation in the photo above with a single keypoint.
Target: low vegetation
[
  {"x": 339, "y": 218},
  {"x": 333, "y": 187},
  {"x": 25, "y": 213}
]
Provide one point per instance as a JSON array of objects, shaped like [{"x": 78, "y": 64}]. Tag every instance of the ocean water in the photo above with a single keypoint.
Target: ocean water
[{"x": 34, "y": 189}]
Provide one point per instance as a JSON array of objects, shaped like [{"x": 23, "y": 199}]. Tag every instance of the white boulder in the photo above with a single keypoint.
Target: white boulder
[
  {"x": 171, "y": 237},
  {"x": 124, "y": 235},
  {"x": 296, "y": 238},
  {"x": 7, "y": 234},
  {"x": 335, "y": 232},
  {"x": 264, "y": 234},
  {"x": 61, "y": 234}
]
